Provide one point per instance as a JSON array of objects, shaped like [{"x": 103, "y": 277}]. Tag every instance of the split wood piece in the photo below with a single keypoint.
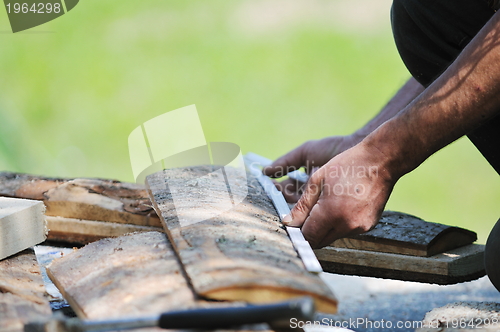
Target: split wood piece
[
  {"x": 463, "y": 316},
  {"x": 242, "y": 254},
  {"x": 22, "y": 293},
  {"x": 77, "y": 231},
  {"x": 401, "y": 233},
  {"x": 88, "y": 199},
  {"x": 22, "y": 225},
  {"x": 454, "y": 266},
  {"x": 134, "y": 275}
]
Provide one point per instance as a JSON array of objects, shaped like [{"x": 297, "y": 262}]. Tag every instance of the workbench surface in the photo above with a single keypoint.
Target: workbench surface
[{"x": 370, "y": 299}]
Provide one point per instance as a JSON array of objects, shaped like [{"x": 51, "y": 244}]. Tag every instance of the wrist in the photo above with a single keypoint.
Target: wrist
[{"x": 390, "y": 152}]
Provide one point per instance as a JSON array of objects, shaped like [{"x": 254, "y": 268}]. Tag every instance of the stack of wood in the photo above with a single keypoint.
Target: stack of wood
[
  {"x": 241, "y": 255},
  {"x": 22, "y": 295},
  {"x": 408, "y": 248},
  {"x": 80, "y": 211}
]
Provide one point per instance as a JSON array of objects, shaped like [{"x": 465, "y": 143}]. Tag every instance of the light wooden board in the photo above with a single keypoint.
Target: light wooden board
[
  {"x": 241, "y": 254},
  {"x": 457, "y": 265},
  {"x": 22, "y": 225},
  {"x": 401, "y": 233},
  {"x": 88, "y": 199},
  {"x": 22, "y": 293},
  {"x": 77, "y": 231}
]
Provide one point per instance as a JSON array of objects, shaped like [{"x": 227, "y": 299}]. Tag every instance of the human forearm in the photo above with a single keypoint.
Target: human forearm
[
  {"x": 461, "y": 99},
  {"x": 348, "y": 194},
  {"x": 316, "y": 153},
  {"x": 401, "y": 99}
]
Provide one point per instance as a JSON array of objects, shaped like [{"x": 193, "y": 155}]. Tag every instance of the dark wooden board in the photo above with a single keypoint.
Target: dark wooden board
[
  {"x": 405, "y": 234},
  {"x": 242, "y": 254},
  {"x": 454, "y": 266}
]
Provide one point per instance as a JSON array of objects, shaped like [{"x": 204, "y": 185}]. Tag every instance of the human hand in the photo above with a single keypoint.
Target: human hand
[
  {"x": 311, "y": 155},
  {"x": 344, "y": 197}
]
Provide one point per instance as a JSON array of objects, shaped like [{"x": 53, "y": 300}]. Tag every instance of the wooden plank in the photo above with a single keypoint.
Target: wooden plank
[
  {"x": 22, "y": 225},
  {"x": 243, "y": 254},
  {"x": 87, "y": 199},
  {"x": 77, "y": 231},
  {"x": 22, "y": 293},
  {"x": 401, "y": 233},
  {"x": 457, "y": 265},
  {"x": 129, "y": 276},
  {"x": 135, "y": 275}
]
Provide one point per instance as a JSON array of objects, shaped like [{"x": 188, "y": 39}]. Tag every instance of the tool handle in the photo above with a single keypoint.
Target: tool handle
[{"x": 212, "y": 318}]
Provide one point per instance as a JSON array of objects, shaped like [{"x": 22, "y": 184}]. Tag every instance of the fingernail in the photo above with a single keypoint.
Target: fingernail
[{"x": 287, "y": 219}]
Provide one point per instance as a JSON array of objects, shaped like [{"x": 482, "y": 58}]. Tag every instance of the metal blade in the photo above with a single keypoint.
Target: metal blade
[
  {"x": 300, "y": 244},
  {"x": 263, "y": 162}
]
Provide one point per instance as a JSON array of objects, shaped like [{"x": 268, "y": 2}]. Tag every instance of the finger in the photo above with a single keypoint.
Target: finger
[
  {"x": 323, "y": 226},
  {"x": 317, "y": 237},
  {"x": 291, "y": 189},
  {"x": 306, "y": 203},
  {"x": 291, "y": 161},
  {"x": 335, "y": 233},
  {"x": 316, "y": 227},
  {"x": 314, "y": 169}
]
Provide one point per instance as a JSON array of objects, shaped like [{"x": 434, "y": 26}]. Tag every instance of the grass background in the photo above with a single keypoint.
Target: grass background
[{"x": 264, "y": 74}]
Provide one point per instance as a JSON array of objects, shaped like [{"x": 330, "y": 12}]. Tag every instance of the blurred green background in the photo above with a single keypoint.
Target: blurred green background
[{"x": 264, "y": 74}]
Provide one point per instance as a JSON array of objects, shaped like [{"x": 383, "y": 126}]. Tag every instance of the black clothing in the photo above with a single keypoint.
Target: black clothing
[
  {"x": 491, "y": 256},
  {"x": 430, "y": 34}
]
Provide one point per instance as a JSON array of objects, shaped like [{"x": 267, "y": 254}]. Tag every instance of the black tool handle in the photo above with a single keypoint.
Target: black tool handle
[{"x": 212, "y": 318}]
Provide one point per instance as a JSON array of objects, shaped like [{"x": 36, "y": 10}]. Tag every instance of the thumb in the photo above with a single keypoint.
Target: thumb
[
  {"x": 291, "y": 161},
  {"x": 309, "y": 198}
]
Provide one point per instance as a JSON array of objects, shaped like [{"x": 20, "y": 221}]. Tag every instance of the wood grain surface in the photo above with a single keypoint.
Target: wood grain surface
[
  {"x": 128, "y": 276},
  {"x": 88, "y": 199},
  {"x": 242, "y": 254},
  {"x": 402, "y": 233},
  {"x": 22, "y": 225},
  {"x": 136, "y": 275},
  {"x": 78, "y": 231},
  {"x": 457, "y": 265},
  {"x": 22, "y": 293}
]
